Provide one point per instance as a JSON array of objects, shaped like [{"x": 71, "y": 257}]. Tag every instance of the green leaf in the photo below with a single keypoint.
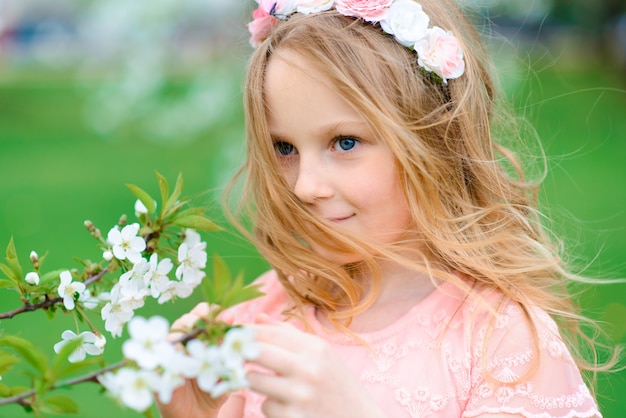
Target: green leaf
[
  {"x": 58, "y": 404},
  {"x": 145, "y": 198},
  {"x": 70, "y": 369},
  {"x": 221, "y": 278},
  {"x": 165, "y": 190},
  {"x": 50, "y": 275},
  {"x": 13, "y": 262},
  {"x": 9, "y": 273},
  {"x": 61, "y": 359},
  {"x": 7, "y": 361},
  {"x": 237, "y": 295},
  {"x": 198, "y": 222},
  {"x": 6, "y": 283},
  {"x": 33, "y": 355},
  {"x": 5, "y": 391},
  {"x": 178, "y": 189}
]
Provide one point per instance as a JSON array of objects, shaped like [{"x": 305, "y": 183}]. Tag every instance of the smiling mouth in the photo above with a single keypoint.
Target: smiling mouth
[{"x": 345, "y": 218}]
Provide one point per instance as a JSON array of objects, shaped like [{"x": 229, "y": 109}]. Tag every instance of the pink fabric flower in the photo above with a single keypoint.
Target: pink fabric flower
[
  {"x": 441, "y": 53},
  {"x": 370, "y": 10},
  {"x": 260, "y": 26}
]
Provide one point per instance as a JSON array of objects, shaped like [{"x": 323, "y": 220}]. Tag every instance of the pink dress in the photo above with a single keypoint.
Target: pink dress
[{"x": 430, "y": 362}]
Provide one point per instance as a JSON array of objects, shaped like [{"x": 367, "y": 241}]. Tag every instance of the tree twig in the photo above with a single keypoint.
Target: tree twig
[
  {"x": 28, "y": 307},
  {"x": 91, "y": 377}
]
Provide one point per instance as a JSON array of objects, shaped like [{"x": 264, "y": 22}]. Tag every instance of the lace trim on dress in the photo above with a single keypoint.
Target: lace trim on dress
[{"x": 590, "y": 413}]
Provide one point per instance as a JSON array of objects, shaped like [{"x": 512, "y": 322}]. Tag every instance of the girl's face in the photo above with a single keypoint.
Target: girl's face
[{"x": 330, "y": 157}]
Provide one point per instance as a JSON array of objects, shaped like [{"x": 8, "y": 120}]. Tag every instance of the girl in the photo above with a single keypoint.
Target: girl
[{"x": 411, "y": 274}]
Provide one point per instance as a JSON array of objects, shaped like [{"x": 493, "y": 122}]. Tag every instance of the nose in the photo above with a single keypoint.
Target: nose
[{"x": 313, "y": 181}]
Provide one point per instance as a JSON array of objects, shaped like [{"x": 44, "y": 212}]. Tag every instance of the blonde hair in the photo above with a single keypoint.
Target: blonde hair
[{"x": 471, "y": 204}]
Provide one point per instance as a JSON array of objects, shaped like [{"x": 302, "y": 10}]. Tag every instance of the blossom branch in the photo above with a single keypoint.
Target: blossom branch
[
  {"x": 21, "y": 399},
  {"x": 29, "y": 307}
]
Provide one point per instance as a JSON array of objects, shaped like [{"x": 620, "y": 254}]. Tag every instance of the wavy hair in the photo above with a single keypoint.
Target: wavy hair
[{"x": 472, "y": 205}]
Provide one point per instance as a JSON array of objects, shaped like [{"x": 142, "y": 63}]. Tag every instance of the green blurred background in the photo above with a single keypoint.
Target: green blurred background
[{"x": 98, "y": 94}]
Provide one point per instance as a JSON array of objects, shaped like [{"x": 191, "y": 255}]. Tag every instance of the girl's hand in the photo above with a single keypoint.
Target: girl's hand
[
  {"x": 304, "y": 378},
  {"x": 189, "y": 401}
]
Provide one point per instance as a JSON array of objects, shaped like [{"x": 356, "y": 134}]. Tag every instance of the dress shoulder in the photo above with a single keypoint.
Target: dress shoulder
[{"x": 522, "y": 366}]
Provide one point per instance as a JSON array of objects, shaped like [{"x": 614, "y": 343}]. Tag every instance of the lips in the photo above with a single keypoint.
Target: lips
[{"x": 340, "y": 218}]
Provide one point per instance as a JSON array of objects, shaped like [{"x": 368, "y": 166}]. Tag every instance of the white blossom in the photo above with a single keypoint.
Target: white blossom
[
  {"x": 68, "y": 289},
  {"x": 107, "y": 255},
  {"x": 192, "y": 258},
  {"x": 208, "y": 364},
  {"x": 32, "y": 278},
  {"x": 92, "y": 344},
  {"x": 175, "y": 289},
  {"x": 148, "y": 341},
  {"x": 140, "y": 208},
  {"x": 132, "y": 284},
  {"x": 239, "y": 343},
  {"x": 116, "y": 313},
  {"x": 156, "y": 276},
  {"x": 176, "y": 367},
  {"x": 132, "y": 387},
  {"x": 89, "y": 301},
  {"x": 125, "y": 243}
]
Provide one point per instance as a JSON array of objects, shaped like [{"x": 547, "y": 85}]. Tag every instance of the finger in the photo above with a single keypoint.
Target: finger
[
  {"x": 278, "y": 388},
  {"x": 202, "y": 310},
  {"x": 276, "y": 358},
  {"x": 279, "y": 333},
  {"x": 275, "y": 409}
]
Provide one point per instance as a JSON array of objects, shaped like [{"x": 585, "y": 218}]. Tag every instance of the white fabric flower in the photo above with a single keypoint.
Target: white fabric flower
[
  {"x": 69, "y": 289},
  {"x": 314, "y": 6},
  {"x": 125, "y": 243},
  {"x": 92, "y": 344},
  {"x": 406, "y": 21},
  {"x": 281, "y": 7},
  {"x": 32, "y": 278},
  {"x": 148, "y": 341},
  {"x": 441, "y": 53}
]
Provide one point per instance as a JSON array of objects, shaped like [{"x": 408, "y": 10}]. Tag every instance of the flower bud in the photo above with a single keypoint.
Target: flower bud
[
  {"x": 140, "y": 208},
  {"x": 32, "y": 278},
  {"x": 33, "y": 256},
  {"x": 89, "y": 225},
  {"x": 107, "y": 255},
  {"x": 122, "y": 220}
]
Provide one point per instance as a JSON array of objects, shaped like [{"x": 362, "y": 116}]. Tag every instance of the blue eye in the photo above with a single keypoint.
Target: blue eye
[
  {"x": 284, "y": 148},
  {"x": 345, "y": 143}
]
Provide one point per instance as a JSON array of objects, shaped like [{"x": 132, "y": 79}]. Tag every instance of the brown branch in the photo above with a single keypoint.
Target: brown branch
[
  {"x": 91, "y": 377},
  {"x": 28, "y": 307}
]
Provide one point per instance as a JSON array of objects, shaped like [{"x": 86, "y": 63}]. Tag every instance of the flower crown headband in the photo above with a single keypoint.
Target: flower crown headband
[{"x": 438, "y": 51}]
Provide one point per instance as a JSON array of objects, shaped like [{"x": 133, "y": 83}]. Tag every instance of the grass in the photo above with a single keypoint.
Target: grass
[{"x": 55, "y": 172}]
